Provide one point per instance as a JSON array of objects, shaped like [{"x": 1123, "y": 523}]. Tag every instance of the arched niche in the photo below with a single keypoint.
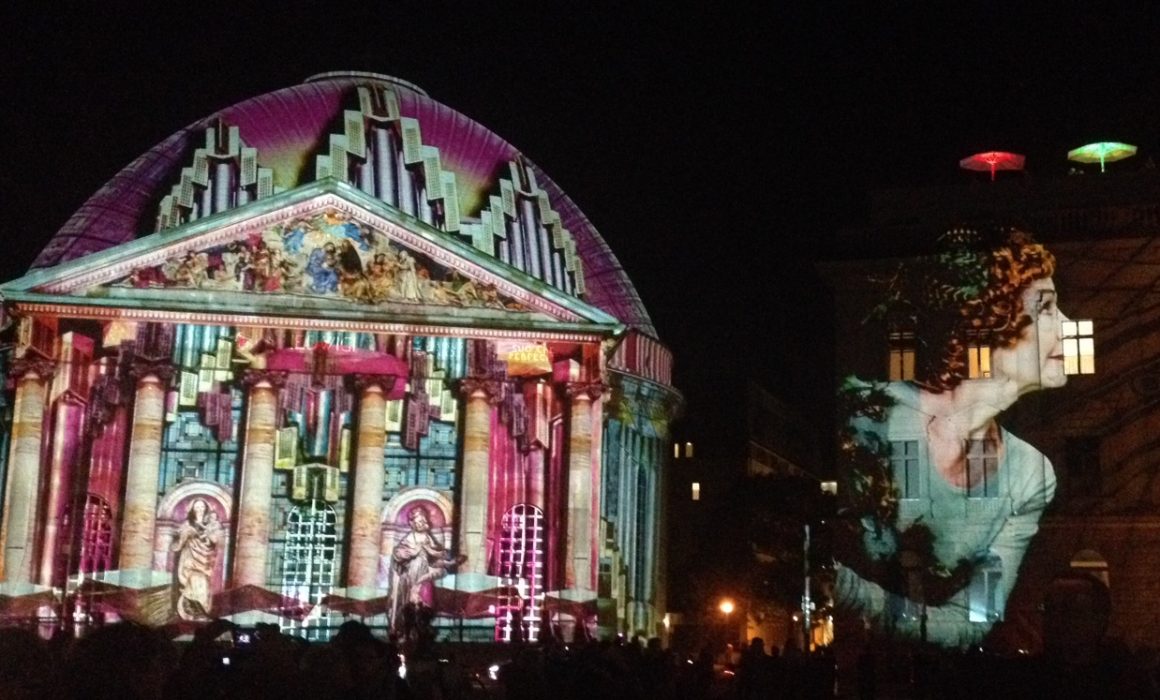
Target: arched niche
[
  {"x": 395, "y": 522},
  {"x": 173, "y": 510}
]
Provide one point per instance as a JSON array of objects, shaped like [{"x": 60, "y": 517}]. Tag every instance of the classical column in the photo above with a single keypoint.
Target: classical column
[
  {"x": 480, "y": 395},
  {"x": 18, "y": 528},
  {"x": 367, "y": 504},
  {"x": 257, "y": 481},
  {"x": 581, "y": 555},
  {"x": 140, "y": 509},
  {"x": 62, "y": 471}
]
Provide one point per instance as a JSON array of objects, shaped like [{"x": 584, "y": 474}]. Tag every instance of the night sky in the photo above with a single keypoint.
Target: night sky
[{"x": 716, "y": 151}]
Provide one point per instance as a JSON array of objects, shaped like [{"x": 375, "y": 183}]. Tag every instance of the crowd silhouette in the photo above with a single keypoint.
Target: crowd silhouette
[{"x": 133, "y": 662}]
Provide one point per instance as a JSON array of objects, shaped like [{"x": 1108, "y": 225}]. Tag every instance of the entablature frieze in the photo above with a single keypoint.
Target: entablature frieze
[
  {"x": 633, "y": 398},
  {"x": 544, "y": 332}
]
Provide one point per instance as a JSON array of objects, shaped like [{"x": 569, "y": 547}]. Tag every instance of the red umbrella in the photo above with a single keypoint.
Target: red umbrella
[
  {"x": 992, "y": 161},
  {"x": 251, "y": 597}
]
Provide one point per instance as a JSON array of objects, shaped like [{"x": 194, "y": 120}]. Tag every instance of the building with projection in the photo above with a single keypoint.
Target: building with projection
[
  {"x": 1096, "y": 509},
  {"x": 331, "y": 352}
]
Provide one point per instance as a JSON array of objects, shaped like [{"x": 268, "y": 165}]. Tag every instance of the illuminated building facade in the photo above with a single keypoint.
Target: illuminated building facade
[
  {"x": 330, "y": 352},
  {"x": 1093, "y": 439}
]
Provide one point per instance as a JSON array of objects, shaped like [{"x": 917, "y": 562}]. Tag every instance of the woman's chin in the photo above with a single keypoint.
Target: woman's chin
[{"x": 1054, "y": 381}]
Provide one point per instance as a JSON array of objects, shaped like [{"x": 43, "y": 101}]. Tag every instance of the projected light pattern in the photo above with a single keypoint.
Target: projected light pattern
[
  {"x": 944, "y": 506},
  {"x": 445, "y": 174},
  {"x": 371, "y": 363}
]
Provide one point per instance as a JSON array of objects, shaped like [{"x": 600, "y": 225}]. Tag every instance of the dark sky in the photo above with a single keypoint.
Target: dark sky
[{"x": 716, "y": 150}]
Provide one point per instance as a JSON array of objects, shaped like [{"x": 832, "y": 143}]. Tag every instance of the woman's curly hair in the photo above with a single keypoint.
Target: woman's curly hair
[{"x": 970, "y": 293}]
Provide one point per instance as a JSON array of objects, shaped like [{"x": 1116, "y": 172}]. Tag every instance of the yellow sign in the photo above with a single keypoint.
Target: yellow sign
[{"x": 528, "y": 361}]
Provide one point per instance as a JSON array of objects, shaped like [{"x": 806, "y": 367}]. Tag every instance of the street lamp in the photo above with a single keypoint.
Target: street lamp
[{"x": 727, "y": 607}]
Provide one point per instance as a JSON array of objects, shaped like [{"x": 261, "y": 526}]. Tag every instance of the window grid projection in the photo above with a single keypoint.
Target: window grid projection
[
  {"x": 309, "y": 559},
  {"x": 521, "y": 570},
  {"x": 96, "y": 536}
]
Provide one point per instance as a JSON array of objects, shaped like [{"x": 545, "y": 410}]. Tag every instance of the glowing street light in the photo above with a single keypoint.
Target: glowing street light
[{"x": 727, "y": 607}]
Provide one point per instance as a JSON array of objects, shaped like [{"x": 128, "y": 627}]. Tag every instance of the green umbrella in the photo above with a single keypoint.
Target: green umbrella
[{"x": 1102, "y": 152}]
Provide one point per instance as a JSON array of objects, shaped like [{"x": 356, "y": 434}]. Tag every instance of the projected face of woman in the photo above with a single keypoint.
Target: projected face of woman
[{"x": 1035, "y": 361}]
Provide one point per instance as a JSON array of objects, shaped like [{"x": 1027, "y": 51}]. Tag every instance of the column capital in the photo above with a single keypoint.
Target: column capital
[
  {"x": 362, "y": 382},
  {"x": 253, "y": 377},
  {"x": 144, "y": 368},
  {"x": 492, "y": 388},
  {"x": 45, "y": 369},
  {"x": 591, "y": 390}
]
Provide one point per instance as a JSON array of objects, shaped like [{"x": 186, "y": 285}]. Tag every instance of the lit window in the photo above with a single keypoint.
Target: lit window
[
  {"x": 688, "y": 450},
  {"x": 983, "y": 597},
  {"x": 982, "y": 468},
  {"x": 676, "y": 450},
  {"x": 1079, "y": 347},
  {"x": 830, "y": 487},
  {"x": 904, "y": 462},
  {"x": 901, "y": 358},
  {"x": 696, "y": 490},
  {"x": 978, "y": 361}
]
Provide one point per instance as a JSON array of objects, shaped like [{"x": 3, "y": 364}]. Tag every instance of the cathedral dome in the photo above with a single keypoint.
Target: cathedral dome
[{"x": 291, "y": 129}]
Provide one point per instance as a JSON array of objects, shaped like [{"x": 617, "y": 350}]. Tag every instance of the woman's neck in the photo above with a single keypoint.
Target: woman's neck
[
  {"x": 968, "y": 411},
  {"x": 959, "y": 416}
]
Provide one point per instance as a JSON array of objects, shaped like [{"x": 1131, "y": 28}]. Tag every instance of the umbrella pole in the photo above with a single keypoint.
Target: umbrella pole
[
  {"x": 992, "y": 172},
  {"x": 1101, "y": 162}
]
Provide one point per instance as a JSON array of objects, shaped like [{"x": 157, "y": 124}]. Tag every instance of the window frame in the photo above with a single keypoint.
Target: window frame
[
  {"x": 986, "y": 586},
  {"x": 907, "y": 468},
  {"x": 989, "y": 478},
  {"x": 901, "y": 355},
  {"x": 1079, "y": 347}
]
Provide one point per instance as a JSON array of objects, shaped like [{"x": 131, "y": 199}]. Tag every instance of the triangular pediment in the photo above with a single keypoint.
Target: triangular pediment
[{"x": 323, "y": 250}]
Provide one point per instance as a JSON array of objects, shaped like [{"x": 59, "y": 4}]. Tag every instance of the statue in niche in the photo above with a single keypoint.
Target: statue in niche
[
  {"x": 418, "y": 559},
  {"x": 196, "y": 545}
]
